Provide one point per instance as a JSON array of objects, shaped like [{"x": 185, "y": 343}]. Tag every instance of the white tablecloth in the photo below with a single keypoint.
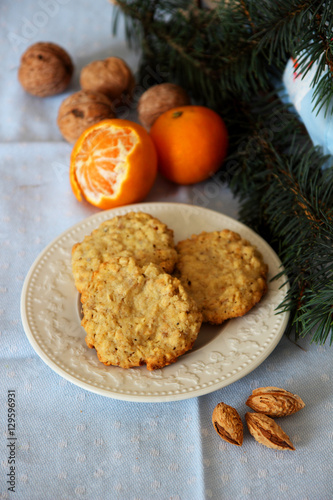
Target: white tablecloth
[{"x": 72, "y": 443}]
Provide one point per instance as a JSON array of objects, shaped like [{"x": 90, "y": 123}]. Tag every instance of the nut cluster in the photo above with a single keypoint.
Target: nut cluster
[
  {"x": 267, "y": 402},
  {"x": 104, "y": 84},
  {"x": 46, "y": 69}
]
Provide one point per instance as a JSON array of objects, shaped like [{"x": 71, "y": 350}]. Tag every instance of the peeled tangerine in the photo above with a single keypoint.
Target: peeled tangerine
[{"x": 113, "y": 163}]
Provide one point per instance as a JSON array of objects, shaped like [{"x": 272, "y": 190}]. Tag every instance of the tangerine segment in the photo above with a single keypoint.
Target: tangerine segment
[
  {"x": 113, "y": 163},
  {"x": 101, "y": 162}
]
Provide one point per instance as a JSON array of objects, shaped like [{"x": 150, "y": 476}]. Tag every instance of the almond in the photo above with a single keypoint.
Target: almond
[
  {"x": 267, "y": 432},
  {"x": 274, "y": 402},
  {"x": 228, "y": 424}
]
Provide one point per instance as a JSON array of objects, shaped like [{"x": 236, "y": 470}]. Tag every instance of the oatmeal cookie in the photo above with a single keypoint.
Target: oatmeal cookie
[
  {"x": 138, "y": 315},
  {"x": 135, "y": 234},
  {"x": 222, "y": 272}
]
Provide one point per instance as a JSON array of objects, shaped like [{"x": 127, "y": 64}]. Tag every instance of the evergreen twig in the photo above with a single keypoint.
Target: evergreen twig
[{"x": 227, "y": 58}]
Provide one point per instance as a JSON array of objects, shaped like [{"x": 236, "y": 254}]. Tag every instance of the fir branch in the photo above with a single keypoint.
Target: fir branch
[
  {"x": 248, "y": 16},
  {"x": 278, "y": 27},
  {"x": 234, "y": 49},
  {"x": 316, "y": 46},
  {"x": 226, "y": 58},
  {"x": 200, "y": 51},
  {"x": 293, "y": 201}
]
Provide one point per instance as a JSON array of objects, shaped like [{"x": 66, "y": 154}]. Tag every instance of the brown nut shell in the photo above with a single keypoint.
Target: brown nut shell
[
  {"x": 274, "y": 402},
  {"x": 111, "y": 77},
  {"x": 45, "y": 69},
  {"x": 158, "y": 99},
  {"x": 81, "y": 110},
  {"x": 228, "y": 424},
  {"x": 267, "y": 432}
]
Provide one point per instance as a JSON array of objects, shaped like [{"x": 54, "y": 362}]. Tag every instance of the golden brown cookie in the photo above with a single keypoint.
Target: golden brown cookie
[
  {"x": 135, "y": 234},
  {"x": 138, "y": 315},
  {"x": 222, "y": 272}
]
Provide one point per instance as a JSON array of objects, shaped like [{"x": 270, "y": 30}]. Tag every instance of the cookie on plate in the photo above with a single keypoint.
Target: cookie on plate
[
  {"x": 223, "y": 273},
  {"x": 135, "y": 234},
  {"x": 138, "y": 315}
]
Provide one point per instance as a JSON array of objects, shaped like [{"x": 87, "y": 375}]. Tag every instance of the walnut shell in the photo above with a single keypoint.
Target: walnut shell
[
  {"x": 111, "y": 77},
  {"x": 81, "y": 110},
  {"x": 158, "y": 99},
  {"x": 46, "y": 69}
]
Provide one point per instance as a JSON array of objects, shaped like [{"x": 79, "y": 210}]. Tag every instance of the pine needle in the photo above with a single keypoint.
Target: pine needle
[{"x": 227, "y": 58}]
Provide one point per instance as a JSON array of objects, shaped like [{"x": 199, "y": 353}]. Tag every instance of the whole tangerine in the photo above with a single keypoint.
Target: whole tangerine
[
  {"x": 191, "y": 143},
  {"x": 113, "y": 163}
]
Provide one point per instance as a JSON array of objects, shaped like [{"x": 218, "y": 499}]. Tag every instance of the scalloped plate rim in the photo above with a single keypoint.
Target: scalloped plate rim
[{"x": 134, "y": 397}]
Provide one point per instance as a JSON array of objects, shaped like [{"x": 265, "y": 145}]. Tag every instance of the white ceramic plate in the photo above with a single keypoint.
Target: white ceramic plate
[{"x": 221, "y": 355}]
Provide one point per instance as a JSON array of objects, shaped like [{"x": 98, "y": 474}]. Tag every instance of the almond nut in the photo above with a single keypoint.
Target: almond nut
[
  {"x": 267, "y": 432},
  {"x": 228, "y": 424},
  {"x": 274, "y": 402}
]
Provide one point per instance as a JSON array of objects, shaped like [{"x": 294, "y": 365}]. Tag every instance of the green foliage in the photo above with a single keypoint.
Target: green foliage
[
  {"x": 227, "y": 58},
  {"x": 233, "y": 50},
  {"x": 287, "y": 197}
]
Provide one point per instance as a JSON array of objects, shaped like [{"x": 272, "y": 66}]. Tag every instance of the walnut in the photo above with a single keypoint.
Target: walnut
[
  {"x": 158, "y": 99},
  {"x": 46, "y": 69},
  {"x": 81, "y": 110},
  {"x": 111, "y": 77}
]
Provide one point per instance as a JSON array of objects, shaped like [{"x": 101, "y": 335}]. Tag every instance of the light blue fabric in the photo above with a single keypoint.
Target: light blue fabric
[
  {"x": 73, "y": 444},
  {"x": 300, "y": 93}
]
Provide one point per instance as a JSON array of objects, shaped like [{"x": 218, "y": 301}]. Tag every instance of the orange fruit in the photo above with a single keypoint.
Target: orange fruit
[
  {"x": 191, "y": 143},
  {"x": 113, "y": 163}
]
